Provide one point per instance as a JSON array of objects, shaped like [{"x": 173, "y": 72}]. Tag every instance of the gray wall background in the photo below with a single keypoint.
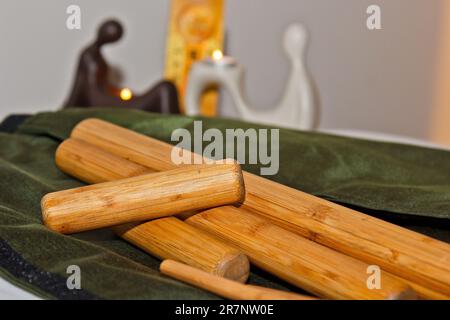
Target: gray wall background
[{"x": 371, "y": 80}]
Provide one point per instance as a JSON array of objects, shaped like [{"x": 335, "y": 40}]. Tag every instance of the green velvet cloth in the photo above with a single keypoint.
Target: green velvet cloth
[{"x": 405, "y": 184}]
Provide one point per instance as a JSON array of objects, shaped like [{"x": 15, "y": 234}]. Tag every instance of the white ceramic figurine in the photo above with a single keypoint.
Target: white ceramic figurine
[{"x": 298, "y": 107}]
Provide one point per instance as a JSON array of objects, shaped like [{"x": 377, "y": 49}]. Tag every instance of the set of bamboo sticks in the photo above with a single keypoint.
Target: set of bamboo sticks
[{"x": 317, "y": 245}]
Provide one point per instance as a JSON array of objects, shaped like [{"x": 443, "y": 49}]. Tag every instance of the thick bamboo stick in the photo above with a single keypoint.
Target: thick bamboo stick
[
  {"x": 223, "y": 287},
  {"x": 76, "y": 158},
  {"x": 171, "y": 238},
  {"x": 304, "y": 263},
  {"x": 297, "y": 267},
  {"x": 413, "y": 256},
  {"x": 143, "y": 197},
  {"x": 165, "y": 238}
]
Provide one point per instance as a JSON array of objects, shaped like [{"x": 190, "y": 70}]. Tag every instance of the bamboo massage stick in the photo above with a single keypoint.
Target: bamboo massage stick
[
  {"x": 224, "y": 287},
  {"x": 165, "y": 238},
  {"x": 93, "y": 165},
  {"x": 171, "y": 238},
  {"x": 410, "y": 255},
  {"x": 298, "y": 269},
  {"x": 143, "y": 197}
]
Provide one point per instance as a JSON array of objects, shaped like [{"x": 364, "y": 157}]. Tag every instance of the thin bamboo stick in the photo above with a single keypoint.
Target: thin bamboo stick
[{"x": 223, "y": 287}]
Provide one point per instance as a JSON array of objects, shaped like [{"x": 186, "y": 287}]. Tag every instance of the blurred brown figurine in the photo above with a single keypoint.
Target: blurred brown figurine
[{"x": 91, "y": 87}]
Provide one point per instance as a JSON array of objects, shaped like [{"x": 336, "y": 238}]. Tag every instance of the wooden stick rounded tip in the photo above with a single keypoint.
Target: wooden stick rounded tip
[
  {"x": 240, "y": 188},
  {"x": 235, "y": 267},
  {"x": 240, "y": 180},
  {"x": 44, "y": 205},
  {"x": 47, "y": 217},
  {"x": 61, "y": 146},
  {"x": 167, "y": 264}
]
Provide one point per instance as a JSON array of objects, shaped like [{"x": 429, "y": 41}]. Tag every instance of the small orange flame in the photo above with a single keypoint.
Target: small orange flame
[{"x": 126, "y": 94}]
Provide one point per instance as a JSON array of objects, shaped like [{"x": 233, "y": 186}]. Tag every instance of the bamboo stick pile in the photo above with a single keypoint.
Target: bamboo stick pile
[{"x": 321, "y": 247}]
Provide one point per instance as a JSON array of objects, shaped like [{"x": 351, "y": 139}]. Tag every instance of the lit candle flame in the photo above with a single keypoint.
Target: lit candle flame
[
  {"x": 217, "y": 54},
  {"x": 126, "y": 94}
]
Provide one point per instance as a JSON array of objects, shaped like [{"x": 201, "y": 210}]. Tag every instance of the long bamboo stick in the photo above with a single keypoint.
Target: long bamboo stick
[
  {"x": 413, "y": 256},
  {"x": 301, "y": 267},
  {"x": 224, "y": 287},
  {"x": 315, "y": 268},
  {"x": 165, "y": 238},
  {"x": 74, "y": 157}
]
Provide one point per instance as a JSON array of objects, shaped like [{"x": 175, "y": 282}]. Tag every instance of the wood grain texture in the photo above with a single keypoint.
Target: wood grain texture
[
  {"x": 171, "y": 238},
  {"x": 165, "y": 238},
  {"x": 75, "y": 157},
  {"x": 143, "y": 197},
  {"x": 223, "y": 287},
  {"x": 304, "y": 263},
  {"x": 418, "y": 258},
  {"x": 424, "y": 293}
]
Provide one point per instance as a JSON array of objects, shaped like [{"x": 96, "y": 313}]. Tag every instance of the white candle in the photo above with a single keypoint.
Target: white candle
[{"x": 218, "y": 59}]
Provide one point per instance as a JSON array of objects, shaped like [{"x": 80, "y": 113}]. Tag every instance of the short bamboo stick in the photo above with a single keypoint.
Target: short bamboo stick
[
  {"x": 304, "y": 263},
  {"x": 223, "y": 287},
  {"x": 408, "y": 254},
  {"x": 165, "y": 238},
  {"x": 171, "y": 238},
  {"x": 311, "y": 278},
  {"x": 143, "y": 197}
]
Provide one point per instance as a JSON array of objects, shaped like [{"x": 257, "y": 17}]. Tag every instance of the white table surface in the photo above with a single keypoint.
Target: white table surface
[{"x": 10, "y": 292}]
